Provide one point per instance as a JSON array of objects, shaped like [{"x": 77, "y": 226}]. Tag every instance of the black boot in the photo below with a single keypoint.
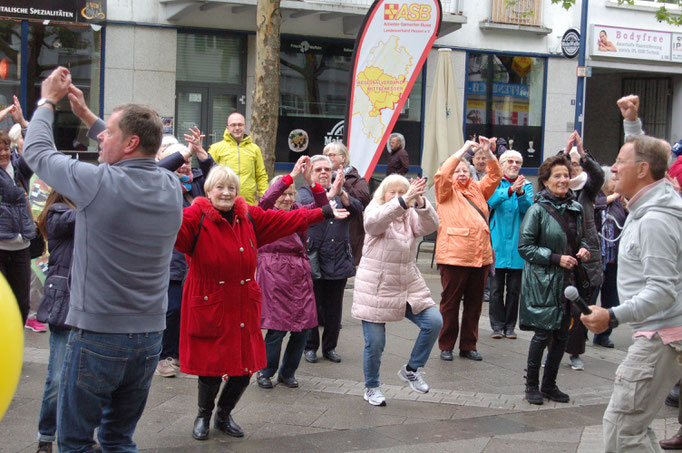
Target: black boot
[
  {"x": 673, "y": 398},
  {"x": 533, "y": 395},
  {"x": 207, "y": 394},
  {"x": 232, "y": 392},
  {"x": 549, "y": 388}
]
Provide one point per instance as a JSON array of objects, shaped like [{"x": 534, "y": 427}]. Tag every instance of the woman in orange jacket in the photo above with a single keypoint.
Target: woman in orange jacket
[{"x": 463, "y": 249}]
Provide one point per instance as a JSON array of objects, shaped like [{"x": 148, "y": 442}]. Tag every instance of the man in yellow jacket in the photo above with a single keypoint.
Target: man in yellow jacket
[{"x": 242, "y": 155}]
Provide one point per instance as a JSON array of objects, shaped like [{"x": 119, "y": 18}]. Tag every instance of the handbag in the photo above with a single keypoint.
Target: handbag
[
  {"x": 582, "y": 280},
  {"x": 314, "y": 258},
  {"x": 37, "y": 247},
  {"x": 492, "y": 265}
]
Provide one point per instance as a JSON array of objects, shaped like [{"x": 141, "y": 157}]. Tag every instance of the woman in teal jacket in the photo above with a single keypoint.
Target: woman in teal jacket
[
  {"x": 508, "y": 205},
  {"x": 550, "y": 264}
]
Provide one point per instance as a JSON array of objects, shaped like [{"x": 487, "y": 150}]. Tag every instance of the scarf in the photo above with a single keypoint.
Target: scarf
[
  {"x": 186, "y": 181},
  {"x": 579, "y": 181}
]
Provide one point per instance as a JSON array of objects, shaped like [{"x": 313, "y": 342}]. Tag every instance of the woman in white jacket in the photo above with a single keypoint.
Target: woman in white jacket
[{"x": 388, "y": 284}]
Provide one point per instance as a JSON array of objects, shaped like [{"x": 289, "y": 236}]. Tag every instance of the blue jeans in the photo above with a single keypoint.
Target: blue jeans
[
  {"x": 171, "y": 336},
  {"x": 429, "y": 322},
  {"x": 47, "y": 424},
  {"x": 105, "y": 383}
]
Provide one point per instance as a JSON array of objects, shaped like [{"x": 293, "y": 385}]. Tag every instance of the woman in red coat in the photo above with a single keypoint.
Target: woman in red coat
[{"x": 220, "y": 336}]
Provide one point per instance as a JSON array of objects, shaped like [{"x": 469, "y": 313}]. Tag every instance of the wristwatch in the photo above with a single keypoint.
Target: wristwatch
[
  {"x": 613, "y": 322},
  {"x": 42, "y": 101}
]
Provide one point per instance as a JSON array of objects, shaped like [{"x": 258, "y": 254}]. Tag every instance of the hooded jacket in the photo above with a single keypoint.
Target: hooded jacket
[
  {"x": 388, "y": 277},
  {"x": 246, "y": 160},
  {"x": 650, "y": 259}
]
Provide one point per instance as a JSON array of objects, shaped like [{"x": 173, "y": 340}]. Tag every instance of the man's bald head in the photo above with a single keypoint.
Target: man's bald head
[{"x": 236, "y": 126}]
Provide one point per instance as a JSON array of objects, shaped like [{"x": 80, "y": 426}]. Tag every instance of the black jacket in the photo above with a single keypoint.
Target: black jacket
[
  {"x": 336, "y": 257},
  {"x": 54, "y": 306},
  {"x": 15, "y": 213}
]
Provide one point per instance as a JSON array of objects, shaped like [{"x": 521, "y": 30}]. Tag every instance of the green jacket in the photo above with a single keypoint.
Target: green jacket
[
  {"x": 542, "y": 285},
  {"x": 246, "y": 160}
]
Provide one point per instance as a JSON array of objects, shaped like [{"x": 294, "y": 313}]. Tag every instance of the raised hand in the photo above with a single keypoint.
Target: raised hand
[
  {"x": 416, "y": 190},
  {"x": 18, "y": 114},
  {"x": 487, "y": 144},
  {"x": 340, "y": 213},
  {"x": 307, "y": 171},
  {"x": 518, "y": 184},
  {"x": 194, "y": 139},
  {"x": 56, "y": 85},
  {"x": 337, "y": 187},
  {"x": 469, "y": 144},
  {"x": 79, "y": 107},
  {"x": 629, "y": 106},
  {"x": 570, "y": 143},
  {"x": 298, "y": 167},
  {"x": 6, "y": 111}
]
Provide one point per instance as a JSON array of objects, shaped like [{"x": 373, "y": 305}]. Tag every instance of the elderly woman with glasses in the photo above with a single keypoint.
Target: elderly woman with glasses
[
  {"x": 355, "y": 185},
  {"x": 330, "y": 240},
  {"x": 284, "y": 277},
  {"x": 220, "y": 336}
]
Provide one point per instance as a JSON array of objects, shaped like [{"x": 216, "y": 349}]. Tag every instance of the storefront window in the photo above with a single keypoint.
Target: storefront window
[
  {"x": 76, "y": 47},
  {"x": 313, "y": 94},
  {"x": 505, "y": 99},
  {"x": 10, "y": 62}
]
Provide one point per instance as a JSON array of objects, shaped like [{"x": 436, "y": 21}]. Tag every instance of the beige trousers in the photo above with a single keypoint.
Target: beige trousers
[{"x": 643, "y": 380}]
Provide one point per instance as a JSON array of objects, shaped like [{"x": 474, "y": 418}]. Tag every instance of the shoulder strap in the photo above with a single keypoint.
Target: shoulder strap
[
  {"x": 564, "y": 226},
  {"x": 478, "y": 210},
  {"x": 196, "y": 239}
]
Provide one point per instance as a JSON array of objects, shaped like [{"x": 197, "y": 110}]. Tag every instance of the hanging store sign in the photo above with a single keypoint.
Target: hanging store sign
[
  {"x": 570, "y": 43},
  {"x": 390, "y": 50},
  {"x": 85, "y": 11},
  {"x": 631, "y": 43}
]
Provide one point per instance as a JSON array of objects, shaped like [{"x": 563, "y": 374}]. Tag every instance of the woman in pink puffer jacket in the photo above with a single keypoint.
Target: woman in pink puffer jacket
[{"x": 388, "y": 284}]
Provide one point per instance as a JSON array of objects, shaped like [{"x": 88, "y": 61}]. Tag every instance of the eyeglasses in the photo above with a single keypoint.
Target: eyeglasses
[
  {"x": 236, "y": 125},
  {"x": 331, "y": 154}
]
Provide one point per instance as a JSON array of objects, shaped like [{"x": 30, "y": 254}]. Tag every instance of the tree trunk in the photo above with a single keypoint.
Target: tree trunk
[{"x": 265, "y": 108}]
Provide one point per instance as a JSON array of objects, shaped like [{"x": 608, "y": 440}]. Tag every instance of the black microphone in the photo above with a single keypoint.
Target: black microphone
[{"x": 571, "y": 293}]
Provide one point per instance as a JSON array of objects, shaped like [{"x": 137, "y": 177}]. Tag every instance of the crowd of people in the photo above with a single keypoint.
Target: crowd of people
[{"x": 157, "y": 267}]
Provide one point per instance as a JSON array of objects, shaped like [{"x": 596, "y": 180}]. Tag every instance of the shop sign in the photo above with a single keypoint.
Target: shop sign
[
  {"x": 570, "y": 43},
  {"x": 517, "y": 90},
  {"x": 86, "y": 11},
  {"x": 631, "y": 43},
  {"x": 676, "y": 50}
]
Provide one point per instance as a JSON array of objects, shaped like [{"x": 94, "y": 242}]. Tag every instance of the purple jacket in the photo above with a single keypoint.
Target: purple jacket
[{"x": 283, "y": 273}]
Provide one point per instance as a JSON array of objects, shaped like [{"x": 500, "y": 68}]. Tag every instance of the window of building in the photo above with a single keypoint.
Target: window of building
[
  {"x": 314, "y": 91},
  {"x": 504, "y": 99}
]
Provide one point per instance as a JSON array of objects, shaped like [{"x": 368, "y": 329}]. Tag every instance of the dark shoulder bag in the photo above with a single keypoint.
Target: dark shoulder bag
[
  {"x": 492, "y": 265},
  {"x": 314, "y": 257},
  {"x": 581, "y": 277}
]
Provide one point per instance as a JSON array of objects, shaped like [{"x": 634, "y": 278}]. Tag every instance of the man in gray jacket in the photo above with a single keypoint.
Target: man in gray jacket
[
  {"x": 129, "y": 212},
  {"x": 650, "y": 291}
]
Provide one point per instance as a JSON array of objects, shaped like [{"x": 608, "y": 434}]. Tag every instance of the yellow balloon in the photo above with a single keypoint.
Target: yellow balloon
[{"x": 11, "y": 345}]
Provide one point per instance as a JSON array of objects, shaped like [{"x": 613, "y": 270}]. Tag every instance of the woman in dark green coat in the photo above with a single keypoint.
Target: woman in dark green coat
[{"x": 551, "y": 259}]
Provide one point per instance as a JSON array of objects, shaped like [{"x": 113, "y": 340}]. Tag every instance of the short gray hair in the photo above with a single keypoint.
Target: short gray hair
[
  {"x": 510, "y": 153},
  {"x": 340, "y": 148},
  {"x": 390, "y": 180},
  {"x": 14, "y": 134},
  {"x": 318, "y": 157},
  {"x": 218, "y": 174},
  {"x": 397, "y": 135},
  {"x": 608, "y": 174}
]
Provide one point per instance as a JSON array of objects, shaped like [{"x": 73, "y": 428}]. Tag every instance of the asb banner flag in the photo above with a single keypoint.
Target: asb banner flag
[{"x": 390, "y": 50}]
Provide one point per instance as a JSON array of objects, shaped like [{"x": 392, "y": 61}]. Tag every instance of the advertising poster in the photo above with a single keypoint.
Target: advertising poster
[
  {"x": 619, "y": 42},
  {"x": 390, "y": 50}
]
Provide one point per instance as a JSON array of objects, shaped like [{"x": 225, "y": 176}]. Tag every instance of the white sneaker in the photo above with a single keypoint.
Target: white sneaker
[
  {"x": 165, "y": 368},
  {"x": 414, "y": 378},
  {"x": 577, "y": 363},
  {"x": 375, "y": 397}
]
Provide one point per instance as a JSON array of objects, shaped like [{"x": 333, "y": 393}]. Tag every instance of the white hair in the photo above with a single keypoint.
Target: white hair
[
  {"x": 390, "y": 180},
  {"x": 220, "y": 173},
  {"x": 318, "y": 157},
  {"x": 397, "y": 135},
  {"x": 14, "y": 134},
  {"x": 510, "y": 153}
]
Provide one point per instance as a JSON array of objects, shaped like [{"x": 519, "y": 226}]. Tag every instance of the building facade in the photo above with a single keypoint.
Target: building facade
[{"x": 193, "y": 61}]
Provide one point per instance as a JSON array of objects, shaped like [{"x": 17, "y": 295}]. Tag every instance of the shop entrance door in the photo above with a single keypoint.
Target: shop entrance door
[{"x": 206, "y": 106}]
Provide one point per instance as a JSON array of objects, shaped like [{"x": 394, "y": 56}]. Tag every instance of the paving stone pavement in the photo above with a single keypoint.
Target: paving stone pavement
[{"x": 471, "y": 407}]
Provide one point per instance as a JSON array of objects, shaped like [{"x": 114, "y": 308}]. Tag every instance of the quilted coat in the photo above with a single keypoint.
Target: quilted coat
[
  {"x": 542, "y": 284},
  {"x": 463, "y": 234},
  {"x": 388, "y": 278},
  {"x": 284, "y": 271},
  {"x": 221, "y": 301}
]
